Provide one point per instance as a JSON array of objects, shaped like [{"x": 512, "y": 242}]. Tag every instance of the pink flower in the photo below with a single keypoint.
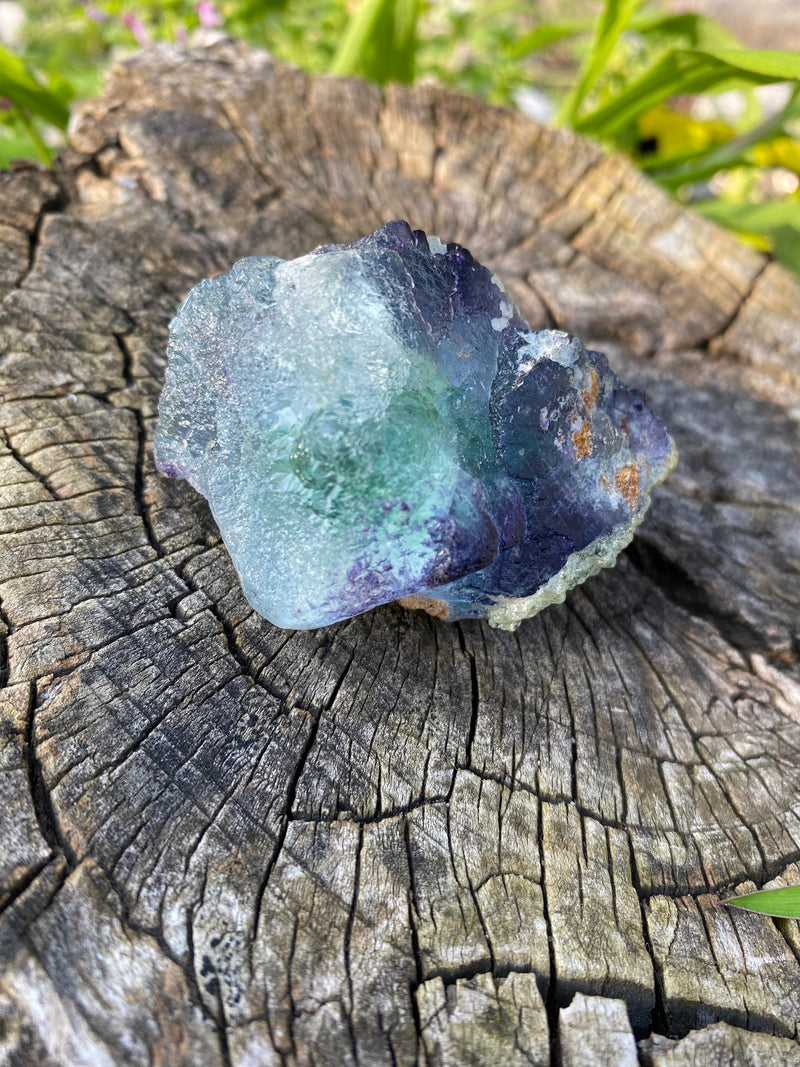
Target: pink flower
[
  {"x": 136, "y": 26},
  {"x": 5, "y": 104},
  {"x": 209, "y": 17},
  {"x": 181, "y": 35},
  {"x": 95, "y": 14}
]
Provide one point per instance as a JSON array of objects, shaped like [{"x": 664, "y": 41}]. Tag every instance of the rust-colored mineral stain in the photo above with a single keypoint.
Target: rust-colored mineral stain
[
  {"x": 627, "y": 479},
  {"x": 582, "y": 439},
  {"x": 590, "y": 395},
  {"x": 434, "y": 607}
]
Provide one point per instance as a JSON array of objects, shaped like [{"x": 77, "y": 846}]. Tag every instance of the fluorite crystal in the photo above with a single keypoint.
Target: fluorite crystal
[{"x": 376, "y": 421}]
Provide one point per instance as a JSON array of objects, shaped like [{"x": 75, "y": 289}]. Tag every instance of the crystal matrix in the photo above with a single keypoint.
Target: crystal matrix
[{"x": 376, "y": 421}]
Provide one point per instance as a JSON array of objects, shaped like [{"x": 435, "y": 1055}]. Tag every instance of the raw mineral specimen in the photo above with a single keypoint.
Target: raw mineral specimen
[{"x": 376, "y": 421}]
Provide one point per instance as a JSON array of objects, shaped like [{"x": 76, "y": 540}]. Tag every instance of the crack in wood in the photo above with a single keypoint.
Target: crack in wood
[
  {"x": 46, "y": 815},
  {"x": 550, "y": 994},
  {"x": 53, "y": 204},
  {"x": 348, "y": 933},
  {"x": 12, "y": 894},
  {"x": 19, "y": 459},
  {"x": 127, "y": 367},
  {"x": 719, "y": 337}
]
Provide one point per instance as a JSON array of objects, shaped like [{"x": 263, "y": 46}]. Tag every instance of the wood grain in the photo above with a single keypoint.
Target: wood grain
[{"x": 394, "y": 841}]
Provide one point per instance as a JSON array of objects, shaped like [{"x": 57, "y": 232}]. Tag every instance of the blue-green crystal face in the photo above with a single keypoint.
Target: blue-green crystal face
[{"x": 375, "y": 421}]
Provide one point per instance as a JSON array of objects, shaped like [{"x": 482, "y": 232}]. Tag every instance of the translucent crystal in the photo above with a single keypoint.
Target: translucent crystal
[{"x": 376, "y": 421}]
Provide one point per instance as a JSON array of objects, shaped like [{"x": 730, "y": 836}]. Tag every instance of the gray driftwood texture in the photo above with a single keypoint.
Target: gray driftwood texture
[{"x": 394, "y": 841}]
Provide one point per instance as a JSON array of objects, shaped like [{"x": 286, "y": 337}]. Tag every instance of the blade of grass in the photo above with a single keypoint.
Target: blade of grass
[
  {"x": 696, "y": 169},
  {"x": 404, "y": 44},
  {"x": 549, "y": 33},
  {"x": 682, "y": 71},
  {"x": 775, "y": 65},
  {"x": 691, "y": 30},
  {"x": 21, "y": 87},
  {"x": 380, "y": 41},
  {"x": 756, "y": 218},
  {"x": 15, "y": 145},
  {"x": 614, "y": 18},
  {"x": 251, "y": 10},
  {"x": 777, "y": 220},
  {"x": 780, "y": 903},
  {"x": 360, "y": 30},
  {"x": 43, "y": 153}
]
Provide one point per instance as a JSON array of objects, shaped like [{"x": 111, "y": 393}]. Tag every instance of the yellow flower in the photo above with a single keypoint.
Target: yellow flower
[
  {"x": 782, "y": 152},
  {"x": 678, "y": 135}
]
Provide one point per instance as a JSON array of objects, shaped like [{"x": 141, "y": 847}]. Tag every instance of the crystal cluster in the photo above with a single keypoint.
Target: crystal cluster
[{"x": 376, "y": 421}]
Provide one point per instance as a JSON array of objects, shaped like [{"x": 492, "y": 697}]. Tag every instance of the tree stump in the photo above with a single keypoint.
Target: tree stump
[{"x": 395, "y": 841}]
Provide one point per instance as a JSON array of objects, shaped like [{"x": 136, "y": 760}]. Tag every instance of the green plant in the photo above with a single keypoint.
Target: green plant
[
  {"x": 67, "y": 45},
  {"x": 669, "y": 57},
  {"x": 780, "y": 903},
  {"x": 380, "y": 41},
  {"x": 28, "y": 101},
  {"x": 628, "y": 78}
]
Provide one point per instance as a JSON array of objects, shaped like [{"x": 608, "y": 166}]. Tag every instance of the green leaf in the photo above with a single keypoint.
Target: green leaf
[
  {"x": 696, "y": 168},
  {"x": 683, "y": 71},
  {"x": 688, "y": 30},
  {"x": 21, "y": 87},
  {"x": 786, "y": 246},
  {"x": 777, "y": 220},
  {"x": 756, "y": 218},
  {"x": 613, "y": 19},
  {"x": 781, "y": 903},
  {"x": 250, "y": 10},
  {"x": 549, "y": 33},
  {"x": 14, "y": 145},
  {"x": 770, "y": 65},
  {"x": 380, "y": 41},
  {"x": 62, "y": 89}
]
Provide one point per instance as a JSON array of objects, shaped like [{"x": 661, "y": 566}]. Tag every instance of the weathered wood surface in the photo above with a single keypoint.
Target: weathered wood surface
[{"x": 394, "y": 841}]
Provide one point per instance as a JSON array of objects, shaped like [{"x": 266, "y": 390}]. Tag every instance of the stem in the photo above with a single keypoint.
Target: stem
[
  {"x": 359, "y": 30},
  {"x": 42, "y": 151},
  {"x": 611, "y": 23}
]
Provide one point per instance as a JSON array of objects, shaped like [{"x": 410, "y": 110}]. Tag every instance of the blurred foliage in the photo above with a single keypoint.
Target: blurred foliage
[
  {"x": 380, "y": 41},
  {"x": 680, "y": 95},
  {"x": 677, "y": 92}
]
